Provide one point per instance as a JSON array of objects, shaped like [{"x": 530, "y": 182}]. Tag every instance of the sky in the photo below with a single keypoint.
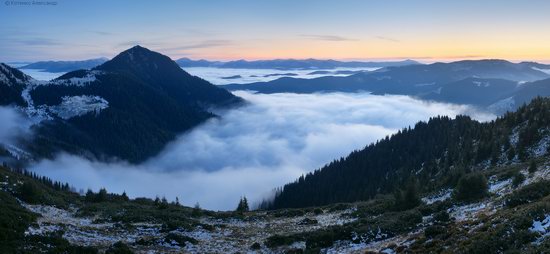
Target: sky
[{"x": 425, "y": 30}]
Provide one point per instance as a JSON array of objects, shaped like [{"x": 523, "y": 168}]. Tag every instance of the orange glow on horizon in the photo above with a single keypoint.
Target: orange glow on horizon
[{"x": 423, "y": 50}]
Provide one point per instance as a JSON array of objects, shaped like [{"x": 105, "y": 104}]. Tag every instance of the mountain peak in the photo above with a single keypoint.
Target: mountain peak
[
  {"x": 135, "y": 53},
  {"x": 139, "y": 60},
  {"x": 138, "y": 49}
]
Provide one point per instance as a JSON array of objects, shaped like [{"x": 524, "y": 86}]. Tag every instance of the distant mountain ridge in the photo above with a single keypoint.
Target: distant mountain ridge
[
  {"x": 290, "y": 64},
  {"x": 476, "y": 82},
  {"x": 65, "y": 66},
  {"x": 127, "y": 108}
]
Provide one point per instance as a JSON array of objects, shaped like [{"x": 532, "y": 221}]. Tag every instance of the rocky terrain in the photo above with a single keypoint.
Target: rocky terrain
[{"x": 61, "y": 218}]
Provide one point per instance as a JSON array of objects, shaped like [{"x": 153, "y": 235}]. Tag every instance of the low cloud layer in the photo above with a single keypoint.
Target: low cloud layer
[
  {"x": 253, "y": 149},
  {"x": 12, "y": 125}
]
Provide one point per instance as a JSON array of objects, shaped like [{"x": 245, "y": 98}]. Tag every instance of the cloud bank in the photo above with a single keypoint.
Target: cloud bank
[
  {"x": 253, "y": 149},
  {"x": 12, "y": 125}
]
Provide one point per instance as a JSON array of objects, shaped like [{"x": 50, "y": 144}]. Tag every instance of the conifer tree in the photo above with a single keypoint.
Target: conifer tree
[
  {"x": 532, "y": 167},
  {"x": 90, "y": 196},
  {"x": 124, "y": 196},
  {"x": 102, "y": 195},
  {"x": 243, "y": 205},
  {"x": 471, "y": 187},
  {"x": 196, "y": 210}
]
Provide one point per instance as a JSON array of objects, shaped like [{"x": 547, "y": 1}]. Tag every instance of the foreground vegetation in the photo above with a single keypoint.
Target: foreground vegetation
[{"x": 498, "y": 216}]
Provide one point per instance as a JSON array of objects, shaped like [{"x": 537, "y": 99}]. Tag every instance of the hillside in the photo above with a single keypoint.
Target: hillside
[
  {"x": 289, "y": 64},
  {"x": 65, "y": 66},
  {"x": 499, "y": 207},
  {"x": 12, "y": 84},
  {"x": 433, "y": 154},
  {"x": 128, "y": 107},
  {"x": 480, "y": 82}
]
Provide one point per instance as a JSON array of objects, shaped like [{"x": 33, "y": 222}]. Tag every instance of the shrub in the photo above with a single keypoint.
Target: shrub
[
  {"x": 471, "y": 187},
  {"x": 532, "y": 167},
  {"x": 407, "y": 199},
  {"x": 280, "y": 240},
  {"x": 529, "y": 193},
  {"x": 30, "y": 193},
  {"x": 518, "y": 179},
  {"x": 442, "y": 216},
  {"x": 102, "y": 195},
  {"x": 433, "y": 231},
  {"x": 289, "y": 213},
  {"x": 179, "y": 239},
  {"x": 119, "y": 248},
  {"x": 255, "y": 246},
  {"x": 14, "y": 220}
]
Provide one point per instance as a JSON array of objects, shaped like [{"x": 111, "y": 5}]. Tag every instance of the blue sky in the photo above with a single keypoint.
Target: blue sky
[{"x": 423, "y": 30}]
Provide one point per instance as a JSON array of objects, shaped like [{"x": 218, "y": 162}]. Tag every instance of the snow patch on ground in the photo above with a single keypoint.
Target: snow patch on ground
[
  {"x": 85, "y": 231},
  {"x": 36, "y": 114},
  {"x": 514, "y": 137},
  {"x": 541, "y": 148},
  {"x": 503, "y": 105},
  {"x": 542, "y": 227},
  {"x": 386, "y": 245},
  {"x": 6, "y": 75},
  {"x": 440, "y": 196},
  {"x": 72, "y": 106},
  {"x": 469, "y": 211},
  {"x": 542, "y": 173},
  {"x": 500, "y": 187},
  {"x": 481, "y": 84},
  {"x": 89, "y": 78},
  {"x": 229, "y": 235}
]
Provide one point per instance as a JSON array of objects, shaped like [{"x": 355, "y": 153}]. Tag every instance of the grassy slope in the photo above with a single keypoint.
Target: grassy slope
[{"x": 423, "y": 229}]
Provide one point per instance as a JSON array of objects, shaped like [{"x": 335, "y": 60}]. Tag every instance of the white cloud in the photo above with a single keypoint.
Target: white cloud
[
  {"x": 253, "y": 149},
  {"x": 12, "y": 124}
]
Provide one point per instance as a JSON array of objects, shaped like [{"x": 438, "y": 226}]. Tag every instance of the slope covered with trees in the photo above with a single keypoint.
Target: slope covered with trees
[
  {"x": 128, "y": 107},
  {"x": 435, "y": 154}
]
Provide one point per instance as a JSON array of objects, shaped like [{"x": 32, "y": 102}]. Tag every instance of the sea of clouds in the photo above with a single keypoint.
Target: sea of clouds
[
  {"x": 252, "y": 149},
  {"x": 13, "y": 124}
]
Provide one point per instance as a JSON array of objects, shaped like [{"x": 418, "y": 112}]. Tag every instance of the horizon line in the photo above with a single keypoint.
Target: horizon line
[{"x": 422, "y": 60}]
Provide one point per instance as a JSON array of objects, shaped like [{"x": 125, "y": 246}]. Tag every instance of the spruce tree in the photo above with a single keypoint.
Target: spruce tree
[
  {"x": 511, "y": 153},
  {"x": 518, "y": 179},
  {"x": 408, "y": 198},
  {"x": 90, "y": 196},
  {"x": 532, "y": 167},
  {"x": 196, "y": 210},
  {"x": 243, "y": 205},
  {"x": 471, "y": 187},
  {"x": 102, "y": 195},
  {"x": 124, "y": 196}
]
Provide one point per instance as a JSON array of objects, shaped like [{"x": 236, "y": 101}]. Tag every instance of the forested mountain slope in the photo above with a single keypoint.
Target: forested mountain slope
[
  {"x": 434, "y": 154},
  {"x": 128, "y": 107}
]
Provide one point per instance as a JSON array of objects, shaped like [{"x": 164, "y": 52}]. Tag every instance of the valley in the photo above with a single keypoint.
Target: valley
[{"x": 274, "y": 127}]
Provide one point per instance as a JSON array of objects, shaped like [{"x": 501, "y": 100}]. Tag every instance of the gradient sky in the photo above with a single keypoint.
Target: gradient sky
[{"x": 254, "y": 29}]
